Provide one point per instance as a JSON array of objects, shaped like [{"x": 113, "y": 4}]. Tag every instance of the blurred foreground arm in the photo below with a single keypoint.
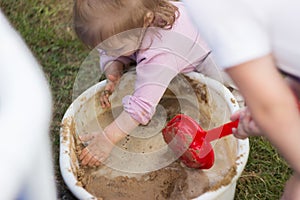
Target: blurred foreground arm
[
  {"x": 272, "y": 105},
  {"x": 25, "y": 114}
]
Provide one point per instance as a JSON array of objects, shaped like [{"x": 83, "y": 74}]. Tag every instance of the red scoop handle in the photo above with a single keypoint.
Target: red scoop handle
[
  {"x": 221, "y": 131},
  {"x": 224, "y": 130}
]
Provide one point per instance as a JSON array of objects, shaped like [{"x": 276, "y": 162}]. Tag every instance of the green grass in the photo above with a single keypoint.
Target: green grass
[
  {"x": 265, "y": 173},
  {"x": 46, "y": 26}
]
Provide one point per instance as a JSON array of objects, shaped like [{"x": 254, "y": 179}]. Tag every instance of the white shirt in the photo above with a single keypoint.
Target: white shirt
[
  {"x": 241, "y": 30},
  {"x": 26, "y": 168}
]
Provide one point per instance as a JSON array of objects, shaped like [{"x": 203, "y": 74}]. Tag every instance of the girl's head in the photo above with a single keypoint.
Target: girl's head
[{"x": 98, "y": 20}]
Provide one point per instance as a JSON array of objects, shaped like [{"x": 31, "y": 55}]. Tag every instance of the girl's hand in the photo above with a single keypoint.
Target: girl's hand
[
  {"x": 112, "y": 81},
  {"x": 247, "y": 127},
  {"x": 98, "y": 149},
  {"x": 113, "y": 74}
]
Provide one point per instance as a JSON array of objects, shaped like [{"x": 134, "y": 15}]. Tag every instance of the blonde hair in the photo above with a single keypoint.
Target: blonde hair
[{"x": 97, "y": 20}]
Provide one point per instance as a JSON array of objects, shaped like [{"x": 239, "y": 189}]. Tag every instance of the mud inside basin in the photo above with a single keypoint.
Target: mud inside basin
[{"x": 142, "y": 166}]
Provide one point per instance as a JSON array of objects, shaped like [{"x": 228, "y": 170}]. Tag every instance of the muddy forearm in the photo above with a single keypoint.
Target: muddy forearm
[{"x": 123, "y": 125}]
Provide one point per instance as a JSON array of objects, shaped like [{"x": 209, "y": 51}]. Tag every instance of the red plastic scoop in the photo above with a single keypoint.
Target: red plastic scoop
[{"x": 186, "y": 138}]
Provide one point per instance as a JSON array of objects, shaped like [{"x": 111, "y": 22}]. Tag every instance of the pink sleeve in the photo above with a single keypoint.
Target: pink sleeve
[
  {"x": 158, "y": 63},
  {"x": 105, "y": 59},
  {"x": 139, "y": 108},
  {"x": 153, "y": 77}
]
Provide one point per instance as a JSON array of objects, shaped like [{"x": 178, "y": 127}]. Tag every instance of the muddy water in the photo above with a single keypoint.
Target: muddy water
[{"x": 142, "y": 166}]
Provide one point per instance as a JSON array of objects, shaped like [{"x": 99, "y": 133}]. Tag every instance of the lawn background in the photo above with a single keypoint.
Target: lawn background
[{"x": 46, "y": 26}]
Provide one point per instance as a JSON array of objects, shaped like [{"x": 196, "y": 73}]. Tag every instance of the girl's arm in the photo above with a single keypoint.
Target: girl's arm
[
  {"x": 123, "y": 125},
  {"x": 113, "y": 72}
]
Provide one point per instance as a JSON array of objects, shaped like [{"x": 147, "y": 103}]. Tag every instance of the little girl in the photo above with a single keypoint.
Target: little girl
[{"x": 158, "y": 37}]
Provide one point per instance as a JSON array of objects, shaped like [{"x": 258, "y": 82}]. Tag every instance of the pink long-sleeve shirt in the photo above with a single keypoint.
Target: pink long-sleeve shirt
[{"x": 160, "y": 58}]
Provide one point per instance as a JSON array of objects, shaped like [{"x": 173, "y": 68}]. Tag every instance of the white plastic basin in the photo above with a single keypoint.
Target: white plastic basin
[{"x": 69, "y": 163}]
